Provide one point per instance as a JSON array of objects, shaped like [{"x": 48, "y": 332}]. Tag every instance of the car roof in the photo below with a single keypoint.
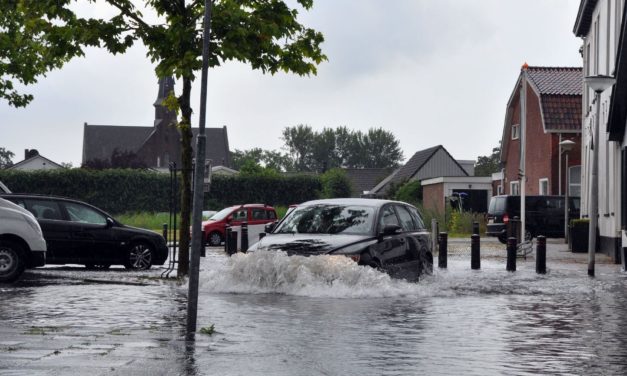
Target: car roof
[
  {"x": 353, "y": 201},
  {"x": 252, "y": 206}
]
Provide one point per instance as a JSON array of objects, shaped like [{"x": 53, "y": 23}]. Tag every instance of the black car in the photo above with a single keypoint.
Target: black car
[
  {"x": 544, "y": 215},
  {"x": 79, "y": 233},
  {"x": 388, "y": 235}
]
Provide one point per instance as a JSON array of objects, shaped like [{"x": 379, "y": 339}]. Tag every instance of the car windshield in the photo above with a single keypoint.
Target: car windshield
[
  {"x": 328, "y": 219},
  {"x": 221, "y": 214}
]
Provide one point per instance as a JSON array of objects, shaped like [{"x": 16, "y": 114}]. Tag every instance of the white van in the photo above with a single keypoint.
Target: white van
[{"x": 22, "y": 244}]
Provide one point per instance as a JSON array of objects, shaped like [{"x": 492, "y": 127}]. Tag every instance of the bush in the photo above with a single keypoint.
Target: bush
[
  {"x": 410, "y": 192},
  {"x": 124, "y": 190},
  {"x": 335, "y": 184}
]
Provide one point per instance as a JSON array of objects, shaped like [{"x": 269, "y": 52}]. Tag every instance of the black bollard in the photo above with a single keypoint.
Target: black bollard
[
  {"x": 262, "y": 235},
  {"x": 511, "y": 254},
  {"x": 232, "y": 242},
  {"x": 475, "y": 228},
  {"x": 244, "y": 242},
  {"x": 442, "y": 254},
  {"x": 541, "y": 255},
  {"x": 515, "y": 229},
  {"x": 203, "y": 245},
  {"x": 227, "y": 240},
  {"x": 475, "y": 252},
  {"x": 165, "y": 232}
]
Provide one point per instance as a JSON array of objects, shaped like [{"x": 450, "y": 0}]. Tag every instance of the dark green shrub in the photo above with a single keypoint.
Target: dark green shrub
[
  {"x": 410, "y": 192},
  {"x": 335, "y": 184}
]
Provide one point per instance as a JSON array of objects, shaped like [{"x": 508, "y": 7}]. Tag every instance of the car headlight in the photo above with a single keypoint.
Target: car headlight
[
  {"x": 33, "y": 223},
  {"x": 354, "y": 250}
]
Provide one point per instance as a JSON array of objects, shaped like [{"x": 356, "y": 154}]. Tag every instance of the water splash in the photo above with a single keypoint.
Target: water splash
[{"x": 316, "y": 276}]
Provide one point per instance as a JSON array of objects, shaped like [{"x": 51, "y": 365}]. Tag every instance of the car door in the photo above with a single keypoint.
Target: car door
[
  {"x": 417, "y": 240},
  {"x": 391, "y": 248},
  {"x": 56, "y": 229},
  {"x": 96, "y": 239}
]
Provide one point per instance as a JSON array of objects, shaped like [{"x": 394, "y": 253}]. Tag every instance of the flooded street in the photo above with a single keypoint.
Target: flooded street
[{"x": 275, "y": 315}]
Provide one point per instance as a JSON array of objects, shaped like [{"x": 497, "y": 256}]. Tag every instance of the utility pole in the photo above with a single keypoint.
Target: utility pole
[
  {"x": 523, "y": 151},
  {"x": 199, "y": 174}
]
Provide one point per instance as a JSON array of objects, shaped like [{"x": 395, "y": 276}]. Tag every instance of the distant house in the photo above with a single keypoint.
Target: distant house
[
  {"x": 553, "y": 114},
  {"x": 34, "y": 161},
  {"x": 363, "y": 179},
  {"x": 466, "y": 193},
  {"x": 424, "y": 164},
  {"x": 155, "y": 146}
]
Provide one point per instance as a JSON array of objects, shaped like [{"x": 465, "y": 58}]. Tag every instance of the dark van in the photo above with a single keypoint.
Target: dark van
[{"x": 544, "y": 215}]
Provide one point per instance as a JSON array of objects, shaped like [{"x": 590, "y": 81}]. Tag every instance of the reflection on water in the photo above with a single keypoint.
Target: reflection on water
[{"x": 279, "y": 315}]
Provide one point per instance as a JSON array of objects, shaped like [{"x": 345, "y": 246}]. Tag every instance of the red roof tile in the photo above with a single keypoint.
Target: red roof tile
[
  {"x": 557, "y": 80},
  {"x": 561, "y": 112}
]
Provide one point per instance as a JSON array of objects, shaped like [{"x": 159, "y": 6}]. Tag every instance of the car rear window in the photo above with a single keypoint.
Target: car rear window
[
  {"x": 497, "y": 205},
  {"x": 44, "y": 209}
]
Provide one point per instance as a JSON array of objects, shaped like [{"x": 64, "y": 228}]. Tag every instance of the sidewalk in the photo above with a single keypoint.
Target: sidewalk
[{"x": 556, "y": 251}]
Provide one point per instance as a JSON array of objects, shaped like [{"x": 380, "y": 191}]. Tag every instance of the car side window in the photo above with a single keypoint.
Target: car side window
[
  {"x": 388, "y": 217},
  {"x": 240, "y": 215},
  {"x": 417, "y": 217},
  {"x": 258, "y": 213},
  {"x": 44, "y": 209},
  {"x": 84, "y": 214},
  {"x": 271, "y": 214},
  {"x": 407, "y": 223}
]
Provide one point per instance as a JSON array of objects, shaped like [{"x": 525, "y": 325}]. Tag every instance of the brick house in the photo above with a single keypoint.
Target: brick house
[{"x": 553, "y": 114}]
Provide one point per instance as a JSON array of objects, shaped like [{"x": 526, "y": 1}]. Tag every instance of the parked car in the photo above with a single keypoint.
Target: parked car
[
  {"x": 388, "y": 235},
  {"x": 252, "y": 214},
  {"x": 544, "y": 215},
  {"x": 22, "y": 244},
  {"x": 79, "y": 233}
]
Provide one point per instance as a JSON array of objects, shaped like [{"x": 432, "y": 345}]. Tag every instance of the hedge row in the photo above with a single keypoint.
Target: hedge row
[{"x": 120, "y": 191}]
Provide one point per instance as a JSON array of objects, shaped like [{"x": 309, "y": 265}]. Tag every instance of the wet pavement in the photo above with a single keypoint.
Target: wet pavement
[{"x": 279, "y": 315}]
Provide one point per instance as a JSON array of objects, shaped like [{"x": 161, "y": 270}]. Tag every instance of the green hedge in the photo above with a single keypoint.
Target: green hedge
[{"x": 121, "y": 191}]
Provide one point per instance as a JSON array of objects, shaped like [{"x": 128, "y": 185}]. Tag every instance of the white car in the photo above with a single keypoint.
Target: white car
[{"x": 22, "y": 244}]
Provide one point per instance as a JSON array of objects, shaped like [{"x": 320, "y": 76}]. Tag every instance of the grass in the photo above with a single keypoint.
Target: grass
[
  {"x": 42, "y": 330},
  {"x": 155, "y": 221}
]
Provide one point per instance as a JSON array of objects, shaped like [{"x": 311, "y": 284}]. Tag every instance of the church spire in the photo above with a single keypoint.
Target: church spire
[{"x": 163, "y": 116}]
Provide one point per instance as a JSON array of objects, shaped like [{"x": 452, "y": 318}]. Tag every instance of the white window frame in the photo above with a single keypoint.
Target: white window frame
[
  {"x": 499, "y": 189},
  {"x": 541, "y": 182},
  {"x": 514, "y": 188},
  {"x": 571, "y": 185},
  {"x": 515, "y": 131}
]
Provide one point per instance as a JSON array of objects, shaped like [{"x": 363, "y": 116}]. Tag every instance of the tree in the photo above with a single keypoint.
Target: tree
[
  {"x": 487, "y": 165},
  {"x": 335, "y": 184},
  {"x": 381, "y": 149},
  {"x": 6, "y": 158},
  {"x": 329, "y": 148},
  {"x": 38, "y": 36}
]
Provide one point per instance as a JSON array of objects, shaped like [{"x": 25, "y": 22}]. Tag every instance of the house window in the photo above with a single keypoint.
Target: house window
[
  {"x": 514, "y": 188},
  {"x": 515, "y": 132},
  {"x": 574, "y": 181},
  {"x": 544, "y": 186},
  {"x": 499, "y": 189}
]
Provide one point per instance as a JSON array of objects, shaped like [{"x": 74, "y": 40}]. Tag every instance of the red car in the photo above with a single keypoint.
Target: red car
[{"x": 254, "y": 214}]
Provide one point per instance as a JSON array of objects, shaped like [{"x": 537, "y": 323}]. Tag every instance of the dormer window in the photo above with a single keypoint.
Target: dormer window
[{"x": 515, "y": 131}]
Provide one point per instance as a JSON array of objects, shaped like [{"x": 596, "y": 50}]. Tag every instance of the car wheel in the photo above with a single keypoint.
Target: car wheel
[
  {"x": 11, "y": 261},
  {"x": 139, "y": 257},
  {"x": 214, "y": 239},
  {"x": 97, "y": 266},
  {"x": 427, "y": 263}
]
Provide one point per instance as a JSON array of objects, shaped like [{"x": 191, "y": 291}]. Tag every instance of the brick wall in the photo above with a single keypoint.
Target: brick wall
[{"x": 433, "y": 197}]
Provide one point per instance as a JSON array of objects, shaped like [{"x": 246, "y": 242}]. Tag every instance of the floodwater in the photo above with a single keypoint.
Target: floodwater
[{"x": 279, "y": 315}]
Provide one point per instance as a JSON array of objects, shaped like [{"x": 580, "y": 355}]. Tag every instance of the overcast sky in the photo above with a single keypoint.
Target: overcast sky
[{"x": 430, "y": 71}]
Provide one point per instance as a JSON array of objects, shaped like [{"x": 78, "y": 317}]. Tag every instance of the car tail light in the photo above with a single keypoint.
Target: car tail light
[{"x": 505, "y": 218}]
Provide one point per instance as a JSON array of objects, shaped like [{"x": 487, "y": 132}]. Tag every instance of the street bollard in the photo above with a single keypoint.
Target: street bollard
[
  {"x": 232, "y": 242},
  {"x": 541, "y": 255},
  {"x": 227, "y": 240},
  {"x": 244, "y": 242},
  {"x": 475, "y": 252},
  {"x": 475, "y": 228},
  {"x": 165, "y": 232},
  {"x": 203, "y": 245},
  {"x": 511, "y": 254},
  {"x": 514, "y": 231},
  {"x": 262, "y": 235},
  {"x": 442, "y": 253}
]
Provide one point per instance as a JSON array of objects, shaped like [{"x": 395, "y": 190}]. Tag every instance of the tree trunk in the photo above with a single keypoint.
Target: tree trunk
[{"x": 185, "y": 128}]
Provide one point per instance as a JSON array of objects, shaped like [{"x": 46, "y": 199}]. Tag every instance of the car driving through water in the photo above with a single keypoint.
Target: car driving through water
[{"x": 387, "y": 235}]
